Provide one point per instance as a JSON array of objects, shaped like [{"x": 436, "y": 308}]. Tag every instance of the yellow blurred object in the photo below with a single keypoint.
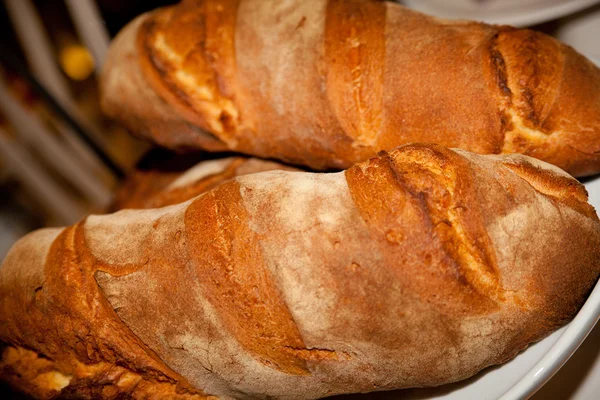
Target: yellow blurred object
[{"x": 77, "y": 62}]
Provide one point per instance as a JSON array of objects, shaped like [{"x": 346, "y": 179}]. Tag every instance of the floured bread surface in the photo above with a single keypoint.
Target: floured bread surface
[
  {"x": 166, "y": 181},
  {"x": 412, "y": 269},
  {"x": 200, "y": 171}
]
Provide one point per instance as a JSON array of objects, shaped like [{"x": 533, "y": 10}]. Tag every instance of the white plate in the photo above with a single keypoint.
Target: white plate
[{"x": 512, "y": 12}]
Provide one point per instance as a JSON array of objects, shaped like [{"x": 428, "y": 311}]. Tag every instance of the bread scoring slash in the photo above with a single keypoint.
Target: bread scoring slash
[
  {"x": 411, "y": 269},
  {"x": 328, "y": 83}
]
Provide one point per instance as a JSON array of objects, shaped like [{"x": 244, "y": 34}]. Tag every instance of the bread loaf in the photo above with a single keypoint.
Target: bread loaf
[
  {"x": 327, "y": 83},
  {"x": 166, "y": 181},
  {"x": 412, "y": 269}
]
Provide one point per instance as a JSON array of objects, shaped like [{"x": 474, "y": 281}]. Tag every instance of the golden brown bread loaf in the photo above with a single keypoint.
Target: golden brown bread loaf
[
  {"x": 162, "y": 179},
  {"x": 327, "y": 83},
  {"x": 412, "y": 269}
]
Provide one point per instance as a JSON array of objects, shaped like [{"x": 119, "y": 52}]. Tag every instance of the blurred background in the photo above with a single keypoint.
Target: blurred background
[{"x": 61, "y": 159}]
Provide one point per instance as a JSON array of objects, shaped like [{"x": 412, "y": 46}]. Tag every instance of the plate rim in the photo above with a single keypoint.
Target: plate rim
[
  {"x": 522, "y": 19},
  {"x": 560, "y": 352}
]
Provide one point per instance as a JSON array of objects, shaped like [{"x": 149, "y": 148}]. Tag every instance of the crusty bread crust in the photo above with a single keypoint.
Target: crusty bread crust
[
  {"x": 327, "y": 83},
  {"x": 412, "y": 269}
]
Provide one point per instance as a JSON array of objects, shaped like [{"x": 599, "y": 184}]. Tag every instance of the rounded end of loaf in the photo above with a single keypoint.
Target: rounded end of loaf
[
  {"x": 51, "y": 335},
  {"x": 575, "y": 124},
  {"x": 127, "y": 96},
  {"x": 553, "y": 101}
]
